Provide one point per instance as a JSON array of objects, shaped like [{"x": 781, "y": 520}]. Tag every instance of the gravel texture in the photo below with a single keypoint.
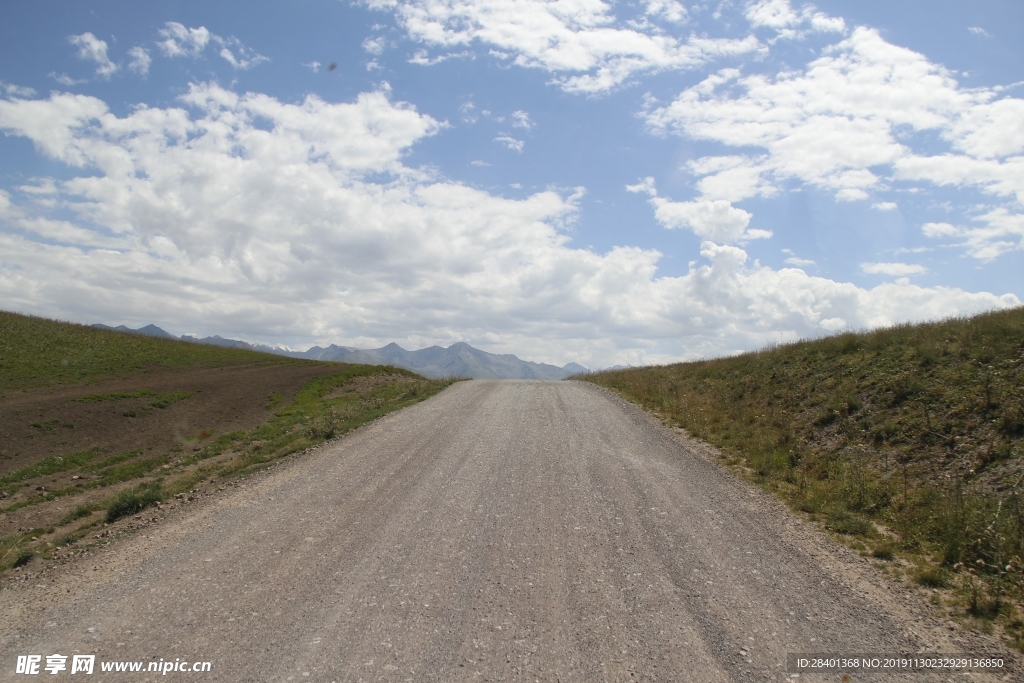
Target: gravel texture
[{"x": 521, "y": 531}]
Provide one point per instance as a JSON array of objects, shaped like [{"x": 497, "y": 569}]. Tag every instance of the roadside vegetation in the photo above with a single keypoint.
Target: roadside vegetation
[
  {"x": 906, "y": 442},
  {"x": 99, "y": 488}
]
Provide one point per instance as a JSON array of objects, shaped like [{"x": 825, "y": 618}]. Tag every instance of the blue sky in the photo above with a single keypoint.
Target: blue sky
[{"x": 568, "y": 181}]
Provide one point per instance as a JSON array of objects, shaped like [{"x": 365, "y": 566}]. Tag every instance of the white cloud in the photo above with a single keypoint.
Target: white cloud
[
  {"x": 800, "y": 262},
  {"x": 671, "y": 11},
  {"x": 978, "y": 31},
  {"x": 93, "y": 49},
  {"x": 885, "y": 206},
  {"x": 423, "y": 58},
  {"x": 520, "y": 119},
  {"x": 851, "y": 194},
  {"x": 66, "y": 80},
  {"x": 578, "y": 42},
  {"x": 12, "y": 90},
  {"x": 1002, "y": 231},
  {"x": 511, "y": 142},
  {"x": 179, "y": 41},
  {"x": 893, "y": 269},
  {"x": 846, "y": 124},
  {"x": 780, "y": 16},
  {"x": 237, "y": 55},
  {"x": 712, "y": 219},
  {"x": 313, "y": 66},
  {"x": 375, "y": 46},
  {"x": 139, "y": 60},
  {"x": 478, "y": 162},
  {"x": 467, "y": 111},
  {"x": 271, "y": 221}
]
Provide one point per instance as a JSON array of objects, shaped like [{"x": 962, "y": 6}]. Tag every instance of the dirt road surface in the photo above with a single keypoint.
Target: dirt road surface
[{"x": 501, "y": 531}]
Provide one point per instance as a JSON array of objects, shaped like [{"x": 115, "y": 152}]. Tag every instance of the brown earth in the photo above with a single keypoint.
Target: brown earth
[
  {"x": 222, "y": 400},
  {"x": 44, "y": 422},
  {"x": 519, "y": 531}
]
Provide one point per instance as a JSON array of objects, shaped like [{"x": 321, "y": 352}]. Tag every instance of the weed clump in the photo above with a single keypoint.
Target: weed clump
[
  {"x": 132, "y": 502},
  {"x": 78, "y": 513},
  {"x": 884, "y": 552},
  {"x": 932, "y": 577}
]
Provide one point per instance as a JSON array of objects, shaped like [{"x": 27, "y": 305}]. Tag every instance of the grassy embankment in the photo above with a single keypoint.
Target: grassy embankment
[
  {"x": 906, "y": 441},
  {"x": 36, "y": 352}
]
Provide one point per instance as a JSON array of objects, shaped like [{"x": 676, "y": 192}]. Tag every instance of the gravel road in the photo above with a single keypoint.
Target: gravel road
[{"x": 520, "y": 531}]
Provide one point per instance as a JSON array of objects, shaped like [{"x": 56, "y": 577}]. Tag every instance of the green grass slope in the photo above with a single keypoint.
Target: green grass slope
[
  {"x": 38, "y": 352},
  {"x": 917, "y": 427}
]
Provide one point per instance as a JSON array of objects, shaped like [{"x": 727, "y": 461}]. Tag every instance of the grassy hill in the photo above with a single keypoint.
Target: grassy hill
[
  {"x": 96, "y": 426},
  {"x": 38, "y": 351},
  {"x": 907, "y": 440}
]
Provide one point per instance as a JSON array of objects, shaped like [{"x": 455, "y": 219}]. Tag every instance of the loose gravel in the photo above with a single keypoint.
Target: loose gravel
[{"x": 501, "y": 531}]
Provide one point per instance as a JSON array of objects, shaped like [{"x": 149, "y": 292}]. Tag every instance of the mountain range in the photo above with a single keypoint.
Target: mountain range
[{"x": 458, "y": 360}]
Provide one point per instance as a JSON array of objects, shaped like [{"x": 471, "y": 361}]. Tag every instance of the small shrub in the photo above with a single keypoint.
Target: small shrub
[
  {"x": 811, "y": 501},
  {"x": 843, "y": 521},
  {"x": 69, "y": 538},
  {"x": 77, "y": 513},
  {"x": 130, "y": 502},
  {"x": 932, "y": 577},
  {"x": 322, "y": 427},
  {"x": 826, "y": 418},
  {"x": 22, "y": 557},
  {"x": 884, "y": 552}
]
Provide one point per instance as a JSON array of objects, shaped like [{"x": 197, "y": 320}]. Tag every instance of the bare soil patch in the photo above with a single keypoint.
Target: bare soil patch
[
  {"x": 152, "y": 413},
  {"x": 38, "y": 423}
]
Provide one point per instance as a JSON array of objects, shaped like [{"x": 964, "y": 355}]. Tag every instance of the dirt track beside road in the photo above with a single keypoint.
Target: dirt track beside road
[{"x": 514, "y": 531}]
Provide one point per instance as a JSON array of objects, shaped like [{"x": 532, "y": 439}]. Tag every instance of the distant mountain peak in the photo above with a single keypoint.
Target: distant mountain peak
[{"x": 458, "y": 360}]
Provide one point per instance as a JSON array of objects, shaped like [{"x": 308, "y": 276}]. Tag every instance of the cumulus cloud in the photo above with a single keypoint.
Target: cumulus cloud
[
  {"x": 510, "y": 142},
  {"x": 139, "y": 60},
  {"x": 375, "y": 46},
  {"x": 787, "y": 22},
  {"x": 423, "y": 58},
  {"x": 520, "y": 119},
  {"x": 893, "y": 269},
  {"x": 66, "y": 80},
  {"x": 885, "y": 206},
  {"x": 237, "y": 55},
  {"x": 671, "y": 11},
  {"x": 847, "y": 124},
  {"x": 271, "y": 220},
  {"x": 582, "y": 44},
  {"x": 12, "y": 90},
  {"x": 93, "y": 49},
  {"x": 713, "y": 219},
  {"x": 1001, "y": 231},
  {"x": 180, "y": 41}
]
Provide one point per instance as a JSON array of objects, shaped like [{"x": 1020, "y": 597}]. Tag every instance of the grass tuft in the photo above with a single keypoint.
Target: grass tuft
[
  {"x": 132, "y": 502},
  {"x": 78, "y": 513}
]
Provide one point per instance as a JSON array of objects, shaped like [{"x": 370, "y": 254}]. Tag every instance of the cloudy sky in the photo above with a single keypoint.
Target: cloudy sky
[{"x": 573, "y": 180}]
